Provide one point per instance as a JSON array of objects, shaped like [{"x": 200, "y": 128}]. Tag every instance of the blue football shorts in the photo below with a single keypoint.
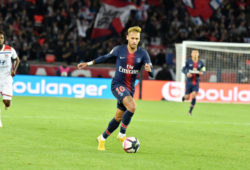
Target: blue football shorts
[
  {"x": 120, "y": 91},
  {"x": 191, "y": 88}
]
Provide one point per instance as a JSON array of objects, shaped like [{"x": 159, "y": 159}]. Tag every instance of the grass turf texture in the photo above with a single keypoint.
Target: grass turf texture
[{"x": 60, "y": 133}]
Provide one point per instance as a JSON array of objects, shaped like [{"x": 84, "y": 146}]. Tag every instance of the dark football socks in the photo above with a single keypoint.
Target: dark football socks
[
  {"x": 113, "y": 124},
  {"x": 192, "y": 105},
  {"x": 125, "y": 121}
]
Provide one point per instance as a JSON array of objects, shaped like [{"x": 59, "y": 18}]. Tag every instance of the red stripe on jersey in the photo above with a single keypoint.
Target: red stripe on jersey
[
  {"x": 130, "y": 65},
  {"x": 6, "y": 48},
  {"x": 194, "y": 76}
]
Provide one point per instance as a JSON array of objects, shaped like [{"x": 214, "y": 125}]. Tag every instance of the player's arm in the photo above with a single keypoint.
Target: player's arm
[
  {"x": 98, "y": 60},
  {"x": 148, "y": 65},
  {"x": 202, "y": 70},
  {"x": 185, "y": 70},
  {"x": 16, "y": 62}
]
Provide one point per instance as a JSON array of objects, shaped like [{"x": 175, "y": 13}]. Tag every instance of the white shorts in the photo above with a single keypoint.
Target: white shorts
[{"x": 6, "y": 87}]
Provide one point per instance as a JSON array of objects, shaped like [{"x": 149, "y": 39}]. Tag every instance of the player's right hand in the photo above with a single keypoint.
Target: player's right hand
[
  {"x": 147, "y": 67},
  {"x": 13, "y": 73},
  {"x": 82, "y": 65},
  {"x": 189, "y": 75}
]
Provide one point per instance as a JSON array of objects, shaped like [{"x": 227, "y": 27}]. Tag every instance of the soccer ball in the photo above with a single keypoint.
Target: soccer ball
[{"x": 131, "y": 145}]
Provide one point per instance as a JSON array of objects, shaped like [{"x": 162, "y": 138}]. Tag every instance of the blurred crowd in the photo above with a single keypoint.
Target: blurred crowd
[{"x": 37, "y": 28}]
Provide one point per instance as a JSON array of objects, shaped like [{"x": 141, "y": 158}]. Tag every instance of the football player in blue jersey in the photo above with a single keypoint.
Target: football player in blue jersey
[
  {"x": 129, "y": 60},
  {"x": 193, "y": 69}
]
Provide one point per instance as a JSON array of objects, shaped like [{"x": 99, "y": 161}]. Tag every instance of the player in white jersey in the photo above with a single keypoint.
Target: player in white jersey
[{"x": 7, "y": 71}]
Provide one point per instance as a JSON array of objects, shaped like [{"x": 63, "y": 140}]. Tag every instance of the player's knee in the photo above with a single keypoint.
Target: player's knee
[
  {"x": 118, "y": 118},
  {"x": 131, "y": 107},
  {"x": 6, "y": 103},
  {"x": 193, "y": 95}
]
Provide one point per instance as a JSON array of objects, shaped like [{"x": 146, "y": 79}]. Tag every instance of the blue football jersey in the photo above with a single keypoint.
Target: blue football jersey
[
  {"x": 189, "y": 67},
  {"x": 128, "y": 64}
]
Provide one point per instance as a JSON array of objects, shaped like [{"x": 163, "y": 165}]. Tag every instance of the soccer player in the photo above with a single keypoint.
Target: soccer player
[
  {"x": 7, "y": 71},
  {"x": 129, "y": 60},
  {"x": 193, "y": 69}
]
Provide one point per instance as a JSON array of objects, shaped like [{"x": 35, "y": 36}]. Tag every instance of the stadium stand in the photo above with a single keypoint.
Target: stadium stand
[{"x": 37, "y": 28}]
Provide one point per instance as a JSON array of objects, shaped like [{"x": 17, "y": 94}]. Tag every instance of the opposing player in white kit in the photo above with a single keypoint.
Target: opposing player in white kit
[{"x": 7, "y": 71}]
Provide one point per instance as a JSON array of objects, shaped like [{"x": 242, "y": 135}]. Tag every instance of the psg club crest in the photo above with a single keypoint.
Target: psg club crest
[{"x": 138, "y": 60}]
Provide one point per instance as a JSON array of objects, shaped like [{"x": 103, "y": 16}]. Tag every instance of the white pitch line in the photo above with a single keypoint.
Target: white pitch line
[
  {"x": 135, "y": 120},
  {"x": 206, "y": 122},
  {"x": 197, "y": 122}
]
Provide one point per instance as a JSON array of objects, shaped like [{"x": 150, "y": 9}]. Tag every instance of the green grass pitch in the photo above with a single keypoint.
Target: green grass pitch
[{"x": 60, "y": 133}]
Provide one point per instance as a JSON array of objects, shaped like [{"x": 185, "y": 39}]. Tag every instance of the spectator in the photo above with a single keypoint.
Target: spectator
[
  {"x": 67, "y": 53},
  {"x": 40, "y": 27},
  {"x": 82, "y": 27},
  {"x": 164, "y": 73},
  {"x": 24, "y": 67},
  {"x": 160, "y": 58}
]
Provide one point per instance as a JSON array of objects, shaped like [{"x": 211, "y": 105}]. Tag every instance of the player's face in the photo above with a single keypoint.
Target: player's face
[
  {"x": 195, "y": 55},
  {"x": 1, "y": 39},
  {"x": 133, "y": 39}
]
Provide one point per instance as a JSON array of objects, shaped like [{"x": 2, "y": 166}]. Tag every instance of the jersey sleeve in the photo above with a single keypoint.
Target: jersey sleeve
[
  {"x": 148, "y": 61},
  {"x": 146, "y": 58},
  {"x": 185, "y": 68},
  {"x": 103, "y": 58},
  {"x": 13, "y": 53},
  {"x": 203, "y": 68}
]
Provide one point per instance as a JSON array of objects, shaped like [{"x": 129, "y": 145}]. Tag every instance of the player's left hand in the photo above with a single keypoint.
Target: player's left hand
[
  {"x": 13, "y": 73},
  {"x": 147, "y": 67},
  {"x": 82, "y": 65}
]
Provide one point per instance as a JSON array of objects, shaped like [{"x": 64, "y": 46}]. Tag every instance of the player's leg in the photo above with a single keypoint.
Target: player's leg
[
  {"x": 125, "y": 103},
  {"x": 187, "y": 92},
  {"x": 185, "y": 97},
  {"x": 193, "y": 99},
  {"x": 1, "y": 125},
  {"x": 7, "y": 91},
  {"x": 1, "y": 89},
  {"x": 118, "y": 92},
  {"x": 130, "y": 105},
  {"x": 7, "y": 102},
  {"x": 112, "y": 126}
]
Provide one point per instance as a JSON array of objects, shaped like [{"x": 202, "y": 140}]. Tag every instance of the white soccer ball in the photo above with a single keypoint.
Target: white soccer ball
[{"x": 131, "y": 145}]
